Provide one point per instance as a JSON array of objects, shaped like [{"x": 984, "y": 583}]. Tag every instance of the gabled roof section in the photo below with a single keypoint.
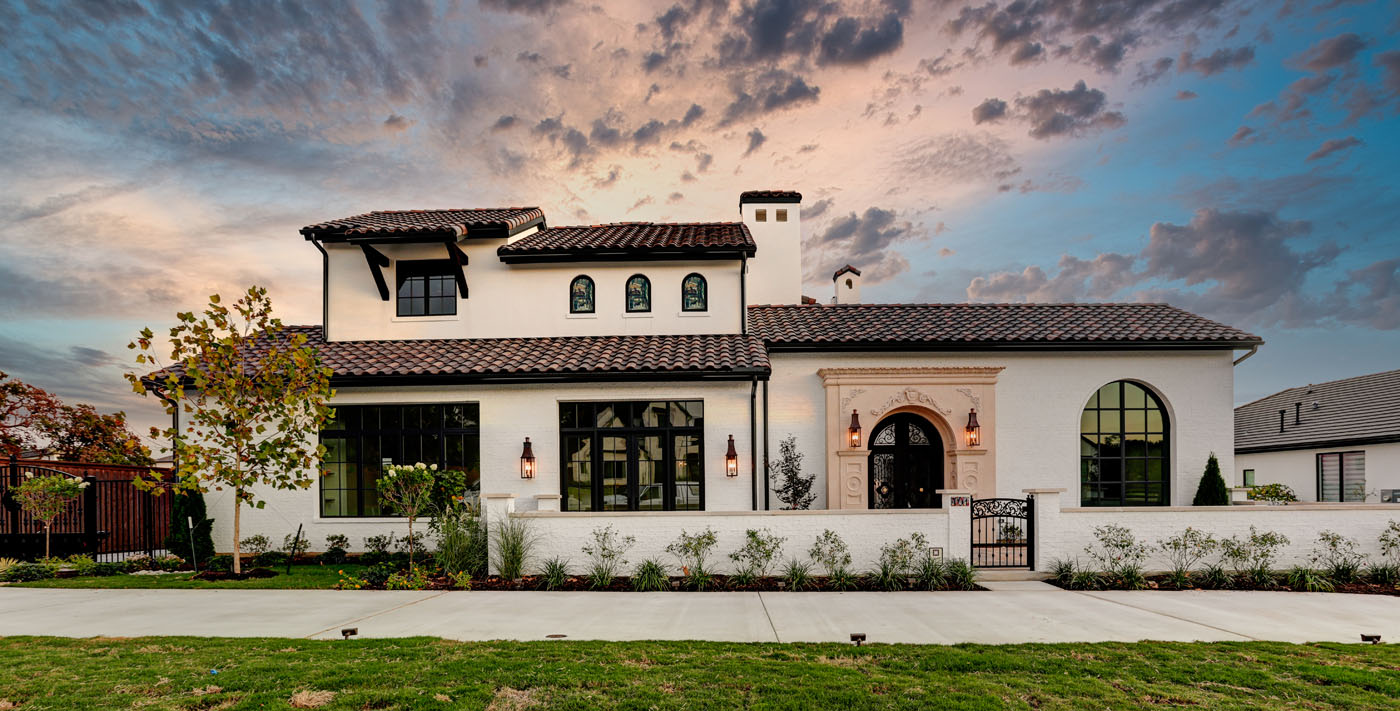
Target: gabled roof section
[
  {"x": 698, "y": 357},
  {"x": 1354, "y": 411},
  {"x": 426, "y": 225},
  {"x": 843, "y": 270},
  {"x": 632, "y": 241},
  {"x": 980, "y": 326},
  {"x": 769, "y": 196}
]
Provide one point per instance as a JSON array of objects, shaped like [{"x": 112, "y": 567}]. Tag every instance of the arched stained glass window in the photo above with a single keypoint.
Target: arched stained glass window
[
  {"x": 1124, "y": 444},
  {"x": 638, "y": 294},
  {"x": 695, "y": 293},
  {"x": 581, "y": 295}
]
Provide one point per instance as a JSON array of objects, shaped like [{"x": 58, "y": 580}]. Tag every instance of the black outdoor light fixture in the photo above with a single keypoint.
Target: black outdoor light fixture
[
  {"x": 731, "y": 460},
  {"x": 349, "y": 632},
  {"x": 853, "y": 432},
  {"x": 527, "y": 461},
  {"x": 974, "y": 430},
  {"x": 857, "y": 638}
]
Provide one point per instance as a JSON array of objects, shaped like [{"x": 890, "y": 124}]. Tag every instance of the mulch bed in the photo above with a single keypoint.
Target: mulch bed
[{"x": 1160, "y": 582}]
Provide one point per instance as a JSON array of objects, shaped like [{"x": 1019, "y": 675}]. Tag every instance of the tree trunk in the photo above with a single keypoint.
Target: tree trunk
[
  {"x": 410, "y": 544},
  {"x": 47, "y": 526},
  {"x": 237, "y": 509}
]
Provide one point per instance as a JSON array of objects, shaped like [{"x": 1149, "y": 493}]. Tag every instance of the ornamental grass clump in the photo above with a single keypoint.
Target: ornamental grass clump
[
  {"x": 961, "y": 575},
  {"x": 797, "y": 575},
  {"x": 46, "y": 497},
  {"x": 554, "y": 573},
  {"x": 1184, "y": 551},
  {"x": 461, "y": 540},
  {"x": 1301, "y": 577},
  {"x": 830, "y": 553},
  {"x": 693, "y": 551},
  {"x": 1118, "y": 557},
  {"x": 407, "y": 488},
  {"x": 1252, "y": 556},
  {"x": 515, "y": 543},
  {"x": 756, "y": 556},
  {"x": 651, "y": 576},
  {"x": 930, "y": 572},
  {"x": 606, "y": 555},
  {"x": 1336, "y": 556}
]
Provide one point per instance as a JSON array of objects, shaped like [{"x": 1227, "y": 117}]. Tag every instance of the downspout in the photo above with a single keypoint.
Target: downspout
[
  {"x": 325, "y": 291},
  {"x": 1253, "y": 349},
  {"x": 767, "y": 481},
  {"x": 743, "y": 296},
  {"x": 753, "y": 437}
]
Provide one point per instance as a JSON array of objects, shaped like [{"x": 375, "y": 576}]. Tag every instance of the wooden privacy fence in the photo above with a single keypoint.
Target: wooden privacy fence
[{"x": 110, "y": 520}]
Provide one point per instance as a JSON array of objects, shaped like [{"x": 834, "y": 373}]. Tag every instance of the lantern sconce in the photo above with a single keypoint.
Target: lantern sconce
[
  {"x": 974, "y": 430},
  {"x": 853, "y": 432},
  {"x": 527, "y": 461},
  {"x": 731, "y": 460}
]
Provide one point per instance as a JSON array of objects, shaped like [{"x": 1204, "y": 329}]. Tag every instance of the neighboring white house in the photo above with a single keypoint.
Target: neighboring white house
[
  {"x": 1335, "y": 441},
  {"x": 656, "y": 368}
]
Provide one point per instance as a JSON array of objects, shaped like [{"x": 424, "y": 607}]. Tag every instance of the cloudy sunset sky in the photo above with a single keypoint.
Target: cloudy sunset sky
[{"x": 1233, "y": 158}]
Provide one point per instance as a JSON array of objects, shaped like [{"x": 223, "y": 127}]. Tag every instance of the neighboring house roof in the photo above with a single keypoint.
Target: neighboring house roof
[
  {"x": 769, "y": 196},
  {"x": 476, "y": 359},
  {"x": 426, "y": 225},
  {"x": 1361, "y": 410},
  {"x": 633, "y": 240},
  {"x": 843, "y": 270},
  {"x": 943, "y": 326}
]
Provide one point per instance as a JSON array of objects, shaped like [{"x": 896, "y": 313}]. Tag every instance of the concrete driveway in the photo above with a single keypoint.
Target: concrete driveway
[{"x": 1020, "y": 612}]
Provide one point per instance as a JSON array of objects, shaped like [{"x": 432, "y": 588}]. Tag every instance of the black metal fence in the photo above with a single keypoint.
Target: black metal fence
[
  {"x": 110, "y": 520},
  {"x": 1003, "y": 533}
]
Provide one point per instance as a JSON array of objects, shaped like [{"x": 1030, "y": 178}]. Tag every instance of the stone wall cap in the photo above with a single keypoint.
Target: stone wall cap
[
  {"x": 954, "y": 492},
  {"x": 498, "y": 496},
  {"x": 548, "y": 496},
  {"x": 1043, "y": 491}
]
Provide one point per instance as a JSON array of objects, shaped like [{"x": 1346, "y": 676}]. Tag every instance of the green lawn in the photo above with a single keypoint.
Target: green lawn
[
  {"x": 302, "y": 577},
  {"x": 175, "y": 673}
]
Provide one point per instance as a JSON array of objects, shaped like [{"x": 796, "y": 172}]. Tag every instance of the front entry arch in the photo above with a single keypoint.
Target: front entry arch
[{"x": 906, "y": 464}]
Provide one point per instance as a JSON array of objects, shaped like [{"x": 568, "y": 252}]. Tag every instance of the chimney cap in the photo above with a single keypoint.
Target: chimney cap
[
  {"x": 843, "y": 270},
  {"x": 769, "y": 196}
]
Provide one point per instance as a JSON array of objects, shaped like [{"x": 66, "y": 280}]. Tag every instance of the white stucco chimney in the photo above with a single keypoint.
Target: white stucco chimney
[
  {"x": 847, "y": 281},
  {"x": 774, "y": 218}
]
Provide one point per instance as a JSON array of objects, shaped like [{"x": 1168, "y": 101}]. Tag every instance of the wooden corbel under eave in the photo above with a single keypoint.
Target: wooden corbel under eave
[
  {"x": 377, "y": 262},
  {"x": 459, "y": 260}
]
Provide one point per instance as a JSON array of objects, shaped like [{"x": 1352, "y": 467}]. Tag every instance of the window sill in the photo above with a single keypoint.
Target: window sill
[
  {"x": 420, "y": 319},
  {"x": 693, "y": 314},
  {"x": 637, "y": 314},
  {"x": 580, "y": 315}
]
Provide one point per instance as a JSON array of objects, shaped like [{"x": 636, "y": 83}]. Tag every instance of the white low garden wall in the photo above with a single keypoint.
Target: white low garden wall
[
  {"x": 563, "y": 534},
  {"x": 1064, "y": 533}
]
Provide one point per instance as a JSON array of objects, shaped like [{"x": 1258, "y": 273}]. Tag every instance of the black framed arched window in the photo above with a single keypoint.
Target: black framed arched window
[
  {"x": 695, "y": 293},
  {"x": 1124, "y": 448},
  {"x": 581, "y": 295},
  {"x": 638, "y": 294}
]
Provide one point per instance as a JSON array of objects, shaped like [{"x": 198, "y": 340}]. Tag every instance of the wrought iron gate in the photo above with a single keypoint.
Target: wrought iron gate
[{"x": 1003, "y": 533}]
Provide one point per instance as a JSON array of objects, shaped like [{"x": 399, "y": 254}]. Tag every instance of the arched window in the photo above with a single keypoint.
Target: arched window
[
  {"x": 638, "y": 294},
  {"x": 695, "y": 293},
  {"x": 1124, "y": 439},
  {"x": 581, "y": 295}
]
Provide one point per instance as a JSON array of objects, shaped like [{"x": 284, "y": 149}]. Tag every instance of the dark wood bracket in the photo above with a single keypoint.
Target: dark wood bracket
[
  {"x": 377, "y": 262},
  {"x": 459, "y": 261}
]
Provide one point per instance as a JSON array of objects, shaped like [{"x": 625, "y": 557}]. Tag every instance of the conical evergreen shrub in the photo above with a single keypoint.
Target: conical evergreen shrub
[
  {"x": 1212, "y": 491},
  {"x": 184, "y": 507}
]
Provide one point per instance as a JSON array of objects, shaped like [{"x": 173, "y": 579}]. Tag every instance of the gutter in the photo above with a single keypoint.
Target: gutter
[
  {"x": 753, "y": 442},
  {"x": 1253, "y": 349},
  {"x": 767, "y": 474},
  {"x": 743, "y": 297}
]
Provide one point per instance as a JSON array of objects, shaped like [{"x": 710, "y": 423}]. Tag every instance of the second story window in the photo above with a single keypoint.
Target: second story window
[
  {"x": 581, "y": 295},
  {"x": 694, "y": 294},
  {"x": 638, "y": 294},
  {"x": 426, "y": 288},
  {"x": 760, "y": 215}
]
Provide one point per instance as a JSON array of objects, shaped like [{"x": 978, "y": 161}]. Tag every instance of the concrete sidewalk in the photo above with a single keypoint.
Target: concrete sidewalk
[{"x": 1023, "y": 612}]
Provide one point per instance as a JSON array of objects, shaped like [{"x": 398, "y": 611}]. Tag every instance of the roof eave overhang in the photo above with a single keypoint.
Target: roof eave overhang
[
  {"x": 499, "y": 230},
  {"x": 1322, "y": 444},
  {"x": 792, "y": 346},
  {"x": 736, "y": 374},
  {"x": 622, "y": 255},
  {"x": 775, "y": 199}
]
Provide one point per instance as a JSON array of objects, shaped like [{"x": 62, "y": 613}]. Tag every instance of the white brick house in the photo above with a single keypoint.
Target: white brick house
[{"x": 632, "y": 355}]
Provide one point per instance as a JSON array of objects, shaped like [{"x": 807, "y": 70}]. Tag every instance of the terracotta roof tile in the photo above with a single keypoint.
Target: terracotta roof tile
[
  {"x": 634, "y": 237},
  {"x": 965, "y": 325},
  {"x": 447, "y": 223}
]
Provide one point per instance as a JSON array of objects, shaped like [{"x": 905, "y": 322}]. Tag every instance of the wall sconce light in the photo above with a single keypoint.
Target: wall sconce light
[
  {"x": 731, "y": 460},
  {"x": 853, "y": 432},
  {"x": 974, "y": 430},
  {"x": 527, "y": 461}
]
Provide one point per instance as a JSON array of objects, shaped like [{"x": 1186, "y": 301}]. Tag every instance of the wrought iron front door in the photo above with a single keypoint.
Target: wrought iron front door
[{"x": 906, "y": 464}]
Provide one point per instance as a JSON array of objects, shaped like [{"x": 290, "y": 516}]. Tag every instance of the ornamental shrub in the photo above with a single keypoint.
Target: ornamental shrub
[
  {"x": 46, "y": 497},
  {"x": 255, "y": 545},
  {"x": 1336, "y": 555},
  {"x": 606, "y": 555},
  {"x": 1184, "y": 551},
  {"x": 830, "y": 553},
  {"x": 407, "y": 489},
  {"x": 1212, "y": 491},
  {"x": 1253, "y": 556},
  {"x": 753, "y": 559},
  {"x": 1119, "y": 557},
  {"x": 693, "y": 551},
  {"x": 1273, "y": 494}
]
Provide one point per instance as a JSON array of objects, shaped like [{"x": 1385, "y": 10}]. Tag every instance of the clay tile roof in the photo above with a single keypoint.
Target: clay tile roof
[
  {"x": 504, "y": 358},
  {"x": 989, "y": 325},
  {"x": 491, "y": 222},
  {"x": 1354, "y": 410},
  {"x": 634, "y": 239},
  {"x": 769, "y": 196},
  {"x": 843, "y": 270}
]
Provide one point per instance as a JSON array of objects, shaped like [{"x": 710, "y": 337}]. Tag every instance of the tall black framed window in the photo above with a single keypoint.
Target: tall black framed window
[
  {"x": 363, "y": 439},
  {"x": 426, "y": 287},
  {"x": 1341, "y": 476},
  {"x": 638, "y": 294},
  {"x": 581, "y": 295},
  {"x": 632, "y": 456},
  {"x": 695, "y": 293},
  {"x": 1124, "y": 444}
]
